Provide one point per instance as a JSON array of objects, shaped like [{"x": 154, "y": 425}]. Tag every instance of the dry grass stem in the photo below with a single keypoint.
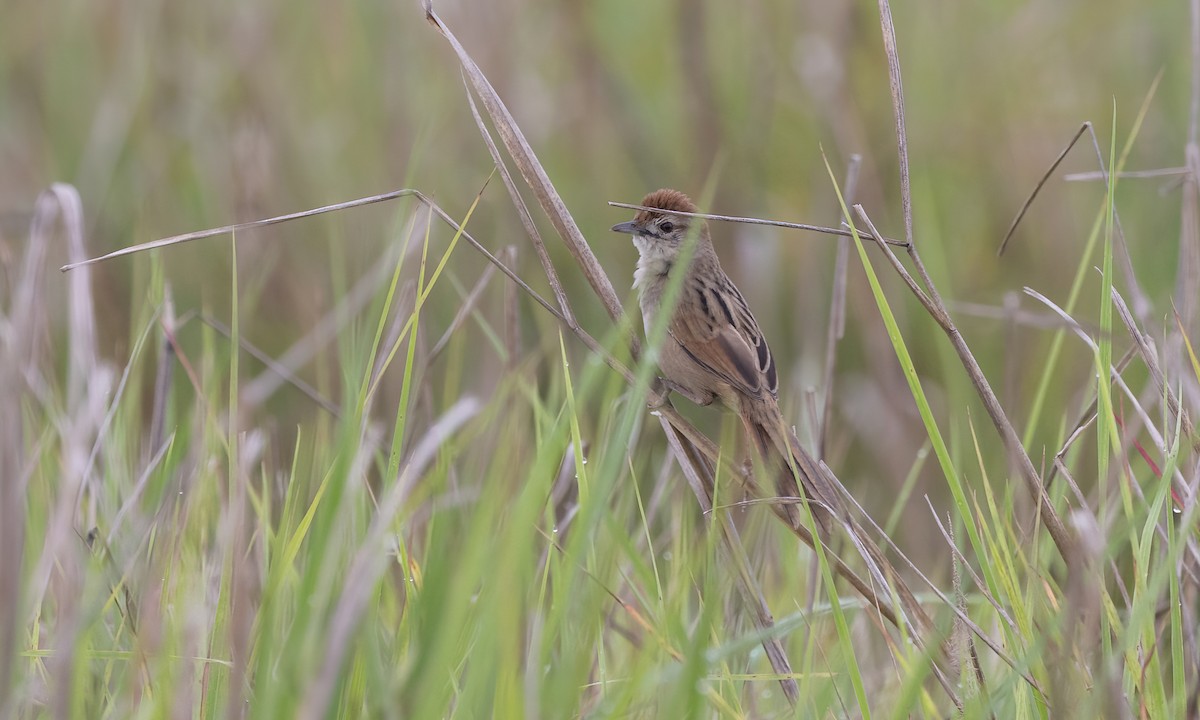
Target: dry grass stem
[
  {"x": 1012, "y": 228},
  {"x": 897, "y": 88},
  {"x": 1020, "y": 317},
  {"x": 1094, "y": 175},
  {"x": 239, "y": 227},
  {"x": 840, "y": 232},
  {"x": 275, "y": 367},
  {"x": 138, "y": 489}
]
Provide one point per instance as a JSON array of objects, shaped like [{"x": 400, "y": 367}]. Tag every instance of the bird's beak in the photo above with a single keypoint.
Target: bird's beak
[{"x": 626, "y": 227}]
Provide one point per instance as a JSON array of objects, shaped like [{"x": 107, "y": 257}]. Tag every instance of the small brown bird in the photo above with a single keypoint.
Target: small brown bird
[{"x": 714, "y": 349}]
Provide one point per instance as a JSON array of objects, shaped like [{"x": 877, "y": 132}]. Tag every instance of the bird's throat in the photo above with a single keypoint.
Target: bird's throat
[{"x": 654, "y": 263}]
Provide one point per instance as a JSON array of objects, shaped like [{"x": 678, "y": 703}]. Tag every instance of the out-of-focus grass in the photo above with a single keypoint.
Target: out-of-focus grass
[{"x": 546, "y": 558}]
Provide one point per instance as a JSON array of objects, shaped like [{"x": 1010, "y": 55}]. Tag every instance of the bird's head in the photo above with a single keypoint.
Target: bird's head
[{"x": 661, "y": 234}]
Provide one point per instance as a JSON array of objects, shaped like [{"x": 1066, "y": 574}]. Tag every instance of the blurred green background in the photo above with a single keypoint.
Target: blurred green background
[{"x": 171, "y": 117}]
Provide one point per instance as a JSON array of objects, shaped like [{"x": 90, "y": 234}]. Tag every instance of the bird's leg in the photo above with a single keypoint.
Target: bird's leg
[
  {"x": 659, "y": 387},
  {"x": 665, "y": 387}
]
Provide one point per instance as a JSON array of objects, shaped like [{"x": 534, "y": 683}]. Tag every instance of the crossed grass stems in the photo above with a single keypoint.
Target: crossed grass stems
[{"x": 698, "y": 456}]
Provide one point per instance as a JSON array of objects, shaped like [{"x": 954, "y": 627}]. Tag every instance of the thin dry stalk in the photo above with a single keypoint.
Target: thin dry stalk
[
  {"x": 1141, "y": 303},
  {"x": 1019, "y": 316},
  {"x": 564, "y": 494},
  {"x": 658, "y": 499},
  {"x": 1114, "y": 373},
  {"x": 273, "y": 366},
  {"x": 405, "y": 304},
  {"x": 239, "y": 227},
  {"x": 1012, "y": 228},
  {"x": 103, "y": 379},
  {"x": 1093, "y": 175},
  {"x": 139, "y": 487},
  {"x": 960, "y": 631},
  {"x": 897, "y": 87},
  {"x": 184, "y": 363},
  {"x": 82, "y": 352},
  {"x": 821, "y": 229},
  {"x": 1194, "y": 105},
  {"x": 17, "y": 354}
]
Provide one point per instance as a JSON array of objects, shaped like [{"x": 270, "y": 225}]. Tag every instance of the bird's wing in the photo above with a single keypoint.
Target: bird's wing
[{"x": 724, "y": 338}]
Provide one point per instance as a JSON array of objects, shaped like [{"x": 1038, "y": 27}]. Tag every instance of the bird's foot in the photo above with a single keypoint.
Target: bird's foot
[{"x": 660, "y": 388}]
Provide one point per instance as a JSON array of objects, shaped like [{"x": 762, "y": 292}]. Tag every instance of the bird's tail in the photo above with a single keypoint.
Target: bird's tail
[{"x": 795, "y": 471}]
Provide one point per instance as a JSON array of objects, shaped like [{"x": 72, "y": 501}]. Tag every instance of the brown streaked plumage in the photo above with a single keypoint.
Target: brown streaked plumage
[{"x": 714, "y": 349}]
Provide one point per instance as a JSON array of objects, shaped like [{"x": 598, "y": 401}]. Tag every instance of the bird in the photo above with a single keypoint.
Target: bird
[{"x": 714, "y": 349}]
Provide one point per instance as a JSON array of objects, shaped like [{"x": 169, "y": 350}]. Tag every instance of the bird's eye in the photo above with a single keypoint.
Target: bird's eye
[{"x": 667, "y": 227}]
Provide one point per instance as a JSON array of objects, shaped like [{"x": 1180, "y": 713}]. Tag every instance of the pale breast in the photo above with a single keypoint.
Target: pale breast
[
  {"x": 650, "y": 278},
  {"x": 654, "y": 263}
]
